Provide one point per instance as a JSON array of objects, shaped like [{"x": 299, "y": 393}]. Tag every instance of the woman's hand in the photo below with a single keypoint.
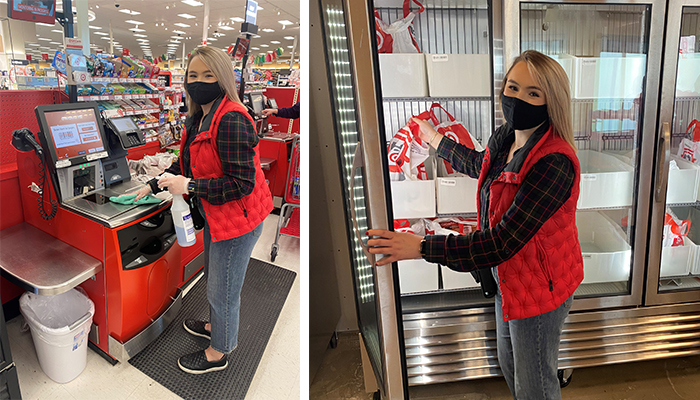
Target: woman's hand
[
  {"x": 427, "y": 133},
  {"x": 398, "y": 245},
  {"x": 269, "y": 111},
  {"x": 143, "y": 192},
  {"x": 176, "y": 184}
]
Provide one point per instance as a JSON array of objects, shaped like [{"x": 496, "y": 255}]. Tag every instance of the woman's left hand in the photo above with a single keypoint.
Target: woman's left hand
[
  {"x": 398, "y": 245},
  {"x": 176, "y": 184}
]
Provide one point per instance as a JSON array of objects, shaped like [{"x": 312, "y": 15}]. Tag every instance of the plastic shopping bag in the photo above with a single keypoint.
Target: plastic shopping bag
[
  {"x": 674, "y": 230},
  {"x": 398, "y": 36},
  {"x": 689, "y": 148},
  {"x": 407, "y": 154},
  {"x": 454, "y": 130}
]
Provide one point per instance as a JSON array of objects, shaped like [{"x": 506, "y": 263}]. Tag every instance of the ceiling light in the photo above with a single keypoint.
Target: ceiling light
[
  {"x": 130, "y": 12},
  {"x": 285, "y": 22},
  {"x": 274, "y": 42},
  {"x": 226, "y": 28},
  {"x": 256, "y": 36},
  {"x": 43, "y": 24},
  {"x": 260, "y": 8},
  {"x": 193, "y": 3},
  {"x": 268, "y": 30},
  {"x": 48, "y": 40},
  {"x": 181, "y": 32},
  {"x": 237, "y": 19},
  {"x": 211, "y": 39},
  {"x": 175, "y": 41},
  {"x": 101, "y": 33},
  {"x": 56, "y": 30},
  {"x": 176, "y": 37},
  {"x": 104, "y": 37},
  {"x": 264, "y": 45},
  {"x": 180, "y": 24},
  {"x": 94, "y": 27},
  {"x": 55, "y": 43},
  {"x": 289, "y": 37},
  {"x": 33, "y": 44},
  {"x": 290, "y": 47},
  {"x": 255, "y": 48},
  {"x": 137, "y": 30},
  {"x": 131, "y": 21},
  {"x": 188, "y": 16},
  {"x": 139, "y": 35}
]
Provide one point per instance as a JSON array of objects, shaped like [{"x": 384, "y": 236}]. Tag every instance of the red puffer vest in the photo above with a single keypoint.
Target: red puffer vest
[
  {"x": 549, "y": 268},
  {"x": 234, "y": 218}
]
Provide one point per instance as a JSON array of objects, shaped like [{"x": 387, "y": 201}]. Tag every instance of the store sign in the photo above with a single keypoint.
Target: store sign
[
  {"x": 251, "y": 11},
  {"x": 73, "y": 43},
  {"x": 20, "y": 62},
  {"x": 125, "y": 52},
  {"x": 81, "y": 77},
  {"x": 29, "y": 57},
  {"x": 45, "y": 56}
]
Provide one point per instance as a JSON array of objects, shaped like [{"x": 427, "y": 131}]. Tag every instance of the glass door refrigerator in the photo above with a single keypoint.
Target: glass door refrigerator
[{"x": 630, "y": 306}]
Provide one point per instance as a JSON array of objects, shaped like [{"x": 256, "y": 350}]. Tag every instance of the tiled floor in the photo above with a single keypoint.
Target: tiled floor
[
  {"x": 277, "y": 376},
  {"x": 340, "y": 377}
]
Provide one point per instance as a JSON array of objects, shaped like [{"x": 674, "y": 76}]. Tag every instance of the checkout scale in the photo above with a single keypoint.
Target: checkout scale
[{"x": 82, "y": 162}]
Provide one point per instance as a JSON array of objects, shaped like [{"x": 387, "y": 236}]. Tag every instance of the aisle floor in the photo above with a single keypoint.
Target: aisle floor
[
  {"x": 340, "y": 377},
  {"x": 277, "y": 377}
]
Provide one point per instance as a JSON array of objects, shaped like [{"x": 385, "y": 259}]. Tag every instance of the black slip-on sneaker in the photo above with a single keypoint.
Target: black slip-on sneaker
[
  {"x": 196, "y": 363},
  {"x": 197, "y": 328}
]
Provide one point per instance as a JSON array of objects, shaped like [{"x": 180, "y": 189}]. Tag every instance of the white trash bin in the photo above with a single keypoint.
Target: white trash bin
[{"x": 60, "y": 326}]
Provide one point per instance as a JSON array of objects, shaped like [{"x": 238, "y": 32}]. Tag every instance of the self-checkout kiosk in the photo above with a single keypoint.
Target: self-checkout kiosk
[{"x": 66, "y": 180}]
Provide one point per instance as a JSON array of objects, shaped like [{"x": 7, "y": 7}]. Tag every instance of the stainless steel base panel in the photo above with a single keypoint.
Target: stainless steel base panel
[{"x": 460, "y": 345}]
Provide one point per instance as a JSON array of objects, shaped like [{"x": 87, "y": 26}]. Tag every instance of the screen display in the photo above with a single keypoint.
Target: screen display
[
  {"x": 125, "y": 124},
  {"x": 32, "y": 10},
  {"x": 74, "y": 133},
  {"x": 257, "y": 102}
]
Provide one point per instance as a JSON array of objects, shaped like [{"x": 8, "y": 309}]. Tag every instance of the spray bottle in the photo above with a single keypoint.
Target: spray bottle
[{"x": 182, "y": 221}]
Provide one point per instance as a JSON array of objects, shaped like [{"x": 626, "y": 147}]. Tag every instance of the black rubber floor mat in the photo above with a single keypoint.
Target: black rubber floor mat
[{"x": 264, "y": 292}]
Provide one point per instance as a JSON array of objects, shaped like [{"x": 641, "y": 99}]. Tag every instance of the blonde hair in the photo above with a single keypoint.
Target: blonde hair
[
  {"x": 552, "y": 79},
  {"x": 220, "y": 65}
]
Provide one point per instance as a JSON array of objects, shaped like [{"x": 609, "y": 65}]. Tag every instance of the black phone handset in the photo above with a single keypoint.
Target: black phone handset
[{"x": 23, "y": 140}]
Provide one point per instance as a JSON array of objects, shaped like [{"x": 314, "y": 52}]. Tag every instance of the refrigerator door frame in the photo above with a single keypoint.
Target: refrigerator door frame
[
  {"x": 666, "y": 109},
  {"x": 511, "y": 26},
  {"x": 371, "y": 154}
]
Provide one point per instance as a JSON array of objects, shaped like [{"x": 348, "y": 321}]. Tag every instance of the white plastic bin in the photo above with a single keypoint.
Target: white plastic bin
[
  {"x": 456, "y": 195},
  {"x": 457, "y": 280},
  {"x": 417, "y": 276},
  {"x": 413, "y": 199},
  {"x": 606, "y": 181},
  {"x": 460, "y": 75},
  {"x": 60, "y": 326},
  {"x": 567, "y": 62},
  {"x": 679, "y": 260},
  {"x": 606, "y": 253},
  {"x": 682, "y": 183},
  {"x": 611, "y": 76},
  {"x": 688, "y": 80},
  {"x": 403, "y": 75}
]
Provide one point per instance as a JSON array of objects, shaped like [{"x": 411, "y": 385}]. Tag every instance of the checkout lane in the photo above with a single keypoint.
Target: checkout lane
[{"x": 65, "y": 183}]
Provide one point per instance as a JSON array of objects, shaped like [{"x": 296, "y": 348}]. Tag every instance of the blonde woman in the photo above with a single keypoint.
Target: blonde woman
[
  {"x": 527, "y": 194},
  {"x": 220, "y": 169}
]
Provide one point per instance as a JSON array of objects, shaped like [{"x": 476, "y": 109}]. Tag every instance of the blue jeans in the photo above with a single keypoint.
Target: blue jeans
[
  {"x": 528, "y": 351},
  {"x": 225, "y": 265}
]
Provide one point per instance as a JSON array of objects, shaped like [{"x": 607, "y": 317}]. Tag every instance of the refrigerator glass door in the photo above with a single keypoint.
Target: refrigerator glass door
[
  {"x": 604, "y": 50},
  {"x": 448, "y": 73},
  {"x": 675, "y": 276}
]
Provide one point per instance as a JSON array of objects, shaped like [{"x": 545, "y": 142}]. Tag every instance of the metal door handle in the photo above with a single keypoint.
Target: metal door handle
[
  {"x": 664, "y": 159},
  {"x": 358, "y": 161}
]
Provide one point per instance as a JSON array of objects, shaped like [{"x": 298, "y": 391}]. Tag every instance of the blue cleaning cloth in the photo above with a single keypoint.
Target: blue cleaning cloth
[{"x": 129, "y": 199}]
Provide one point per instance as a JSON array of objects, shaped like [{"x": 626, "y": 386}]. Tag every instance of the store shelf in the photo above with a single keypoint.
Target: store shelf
[
  {"x": 105, "y": 79},
  {"x": 696, "y": 204},
  {"x": 118, "y": 97},
  {"x": 149, "y": 126},
  {"x": 121, "y": 113},
  {"x": 439, "y": 99}
]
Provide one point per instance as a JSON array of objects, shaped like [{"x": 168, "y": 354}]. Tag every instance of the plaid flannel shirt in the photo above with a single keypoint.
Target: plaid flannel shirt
[
  {"x": 544, "y": 190},
  {"x": 236, "y": 142}
]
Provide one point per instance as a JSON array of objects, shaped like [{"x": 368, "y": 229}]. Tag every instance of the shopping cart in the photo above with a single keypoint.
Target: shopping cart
[{"x": 288, "y": 223}]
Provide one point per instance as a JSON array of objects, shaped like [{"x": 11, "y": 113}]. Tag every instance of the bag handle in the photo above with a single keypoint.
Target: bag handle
[
  {"x": 407, "y": 7},
  {"x": 434, "y": 117}
]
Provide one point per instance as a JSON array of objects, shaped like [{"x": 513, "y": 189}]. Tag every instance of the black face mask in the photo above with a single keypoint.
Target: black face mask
[
  {"x": 522, "y": 115},
  {"x": 203, "y": 92}
]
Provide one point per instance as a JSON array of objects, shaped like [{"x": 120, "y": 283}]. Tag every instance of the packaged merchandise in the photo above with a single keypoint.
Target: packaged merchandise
[
  {"x": 398, "y": 36},
  {"x": 674, "y": 230}
]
